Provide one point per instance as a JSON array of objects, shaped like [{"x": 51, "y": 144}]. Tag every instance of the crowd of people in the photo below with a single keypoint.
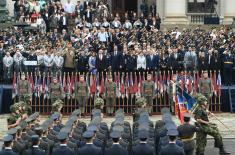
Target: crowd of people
[
  {"x": 28, "y": 135},
  {"x": 128, "y": 43}
]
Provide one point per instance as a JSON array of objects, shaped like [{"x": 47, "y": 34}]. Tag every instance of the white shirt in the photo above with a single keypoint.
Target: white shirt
[
  {"x": 69, "y": 7},
  {"x": 58, "y": 61},
  {"x": 141, "y": 62},
  {"x": 48, "y": 60},
  {"x": 103, "y": 36},
  {"x": 7, "y": 61}
]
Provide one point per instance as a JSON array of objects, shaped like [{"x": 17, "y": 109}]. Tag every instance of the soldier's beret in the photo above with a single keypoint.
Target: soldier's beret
[
  {"x": 88, "y": 134},
  {"x": 143, "y": 134},
  {"x": 62, "y": 136},
  {"x": 7, "y": 138},
  {"x": 12, "y": 131},
  {"x": 115, "y": 134}
]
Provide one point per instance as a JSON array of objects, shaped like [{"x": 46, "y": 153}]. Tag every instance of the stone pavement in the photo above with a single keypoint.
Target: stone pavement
[{"x": 227, "y": 118}]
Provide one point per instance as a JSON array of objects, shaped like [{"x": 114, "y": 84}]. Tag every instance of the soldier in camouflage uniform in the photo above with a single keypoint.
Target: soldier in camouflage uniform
[
  {"x": 110, "y": 91},
  {"x": 141, "y": 107},
  {"x": 81, "y": 93},
  {"x": 148, "y": 92},
  {"x": 24, "y": 90},
  {"x": 201, "y": 116},
  {"x": 172, "y": 92},
  {"x": 14, "y": 119},
  {"x": 57, "y": 106},
  {"x": 55, "y": 90},
  {"x": 205, "y": 86}
]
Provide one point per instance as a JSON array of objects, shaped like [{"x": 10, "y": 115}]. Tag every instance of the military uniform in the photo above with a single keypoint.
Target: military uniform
[
  {"x": 81, "y": 95},
  {"x": 110, "y": 89},
  {"x": 23, "y": 88},
  {"x": 186, "y": 134},
  {"x": 7, "y": 150},
  {"x": 206, "y": 129},
  {"x": 148, "y": 93},
  {"x": 205, "y": 88},
  {"x": 55, "y": 92}
]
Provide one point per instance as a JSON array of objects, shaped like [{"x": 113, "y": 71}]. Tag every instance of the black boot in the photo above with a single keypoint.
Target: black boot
[{"x": 222, "y": 151}]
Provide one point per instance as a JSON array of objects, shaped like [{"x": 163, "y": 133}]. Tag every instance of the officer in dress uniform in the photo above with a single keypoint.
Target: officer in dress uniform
[
  {"x": 81, "y": 93},
  {"x": 89, "y": 147},
  {"x": 148, "y": 92},
  {"x": 205, "y": 86},
  {"x": 127, "y": 25},
  {"x": 110, "y": 92},
  {"x": 63, "y": 149},
  {"x": 42, "y": 143},
  {"x": 55, "y": 90},
  {"x": 186, "y": 134},
  {"x": 8, "y": 139},
  {"x": 105, "y": 23},
  {"x": 143, "y": 148},
  {"x": 24, "y": 89},
  {"x": 172, "y": 147},
  {"x": 206, "y": 127},
  {"x": 116, "y": 148},
  {"x": 116, "y": 24},
  {"x": 35, "y": 150},
  {"x": 228, "y": 60}
]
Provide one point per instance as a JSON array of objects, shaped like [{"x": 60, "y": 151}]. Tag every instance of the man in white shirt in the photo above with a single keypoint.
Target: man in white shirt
[
  {"x": 69, "y": 7},
  {"x": 141, "y": 61},
  {"x": 103, "y": 36},
  {"x": 48, "y": 61},
  {"x": 7, "y": 67}
]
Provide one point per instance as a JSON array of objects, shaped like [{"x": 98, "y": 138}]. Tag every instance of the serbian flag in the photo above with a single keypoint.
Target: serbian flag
[
  {"x": 214, "y": 83},
  {"x": 164, "y": 82},
  {"x": 122, "y": 87},
  {"x": 136, "y": 84},
  {"x": 127, "y": 85},
  {"x": 14, "y": 90},
  {"x": 64, "y": 85},
  {"x": 92, "y": 84},
  {"x": 189, "y": 85},
  {"x": 140, "y": 84},
  {"x": 160, "y": 83},
  {"x": 31, "y": 82},
  {"x": 117, "y": 80},
  {"x": 219, "y": 84},
  {"x": 72, "y": 82},
  {"x": 102, "y": 88}
]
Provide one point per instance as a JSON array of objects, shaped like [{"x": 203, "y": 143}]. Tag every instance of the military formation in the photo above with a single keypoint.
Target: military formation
[{"x": 27, "y": 135}]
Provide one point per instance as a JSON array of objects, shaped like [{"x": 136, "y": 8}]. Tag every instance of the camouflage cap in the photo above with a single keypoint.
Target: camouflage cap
[
  {"x": 140, "y": 101},
  {"x": 99, "y": 101},
  {"x": 201, "y": 99},
  {"x": 12, "y": 108}
]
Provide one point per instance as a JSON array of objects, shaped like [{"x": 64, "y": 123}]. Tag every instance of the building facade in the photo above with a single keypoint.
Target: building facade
[{"x": 174, "y": 11}]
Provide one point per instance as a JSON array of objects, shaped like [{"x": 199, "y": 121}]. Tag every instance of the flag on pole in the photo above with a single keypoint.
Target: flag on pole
[
  {"x": 31, "y": 82},
  {"x": 136, "y": 85},
  {"x": 64, "y": 85},
  {"x": 219, "y": 84},
  {"x": 102, "y": 88},
  {"x": 127, "y": 85},
  {"x": 14, "y": 90},
  {"x": 92, "y": 84},
  {"x": 68, "y": 86},
  {"x": 122, "y": 87}
]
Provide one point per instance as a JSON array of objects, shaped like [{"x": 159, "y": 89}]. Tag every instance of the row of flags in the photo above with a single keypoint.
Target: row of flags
[{"x": 126, "y": 84}]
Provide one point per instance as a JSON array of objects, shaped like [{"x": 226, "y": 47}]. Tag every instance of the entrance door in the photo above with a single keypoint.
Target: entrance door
[{"x": 121, "y": 6}]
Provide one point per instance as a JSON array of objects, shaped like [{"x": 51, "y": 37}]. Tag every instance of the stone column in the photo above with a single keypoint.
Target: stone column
[
  {"x": 3, "y": 11},
  {"x": 175, "y": 12},
  {"x": 227, "y": 11}
]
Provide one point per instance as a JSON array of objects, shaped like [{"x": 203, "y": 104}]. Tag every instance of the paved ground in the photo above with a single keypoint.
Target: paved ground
[{"x": 226, "y": 118}]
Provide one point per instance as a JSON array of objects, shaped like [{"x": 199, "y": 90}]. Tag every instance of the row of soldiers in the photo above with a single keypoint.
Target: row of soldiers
[
  {"x": 75, "y": 137},
  {"x": 82, "y": 92}
]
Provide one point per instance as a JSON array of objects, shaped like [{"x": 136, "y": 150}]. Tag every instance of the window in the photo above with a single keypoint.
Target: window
[{"x": 201, "y": 6}]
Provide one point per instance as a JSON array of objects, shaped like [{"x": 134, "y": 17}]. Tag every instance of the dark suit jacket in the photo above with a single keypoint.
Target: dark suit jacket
[
  {"x": 172, "y": 149},
  {"x": 143, "y": 149},
  {"x": 63, "y": 150},
  {"x": 34, "y": 151},
  {"x": 116, "y": 150},
  {"x": 116, "y": 61},
  {"x": 152, "y": 63},
  {"x": 7, "y": 152},
  {"x": 88, "y": 19},
  {"x": 61, "y": 21},
  {"x": 90, "y": 149},
  {"x": 100, "y": 64}
]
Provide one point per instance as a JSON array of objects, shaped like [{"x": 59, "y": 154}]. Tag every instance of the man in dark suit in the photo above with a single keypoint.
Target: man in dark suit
[
  {"x": 100, "y": 62},
  {"x": 172, "y": 148},
  {"x": 63, "y": 23},
  {"x": 86, "y": 4},
  {"x": 35, "y": 150},
  {"x": 7, "y": 146},
  {"x": 152, "y": 61},
  {"x": 116, "y": 60},
  {"x": 63, "y": 149},
  {"x": 89, "y": 148},
  {"x": 82, "y": 62},
  {"x": 116, "y": 148},
  {"x": 88, "y": 14},
  {"x": 143, "y": 148}
]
